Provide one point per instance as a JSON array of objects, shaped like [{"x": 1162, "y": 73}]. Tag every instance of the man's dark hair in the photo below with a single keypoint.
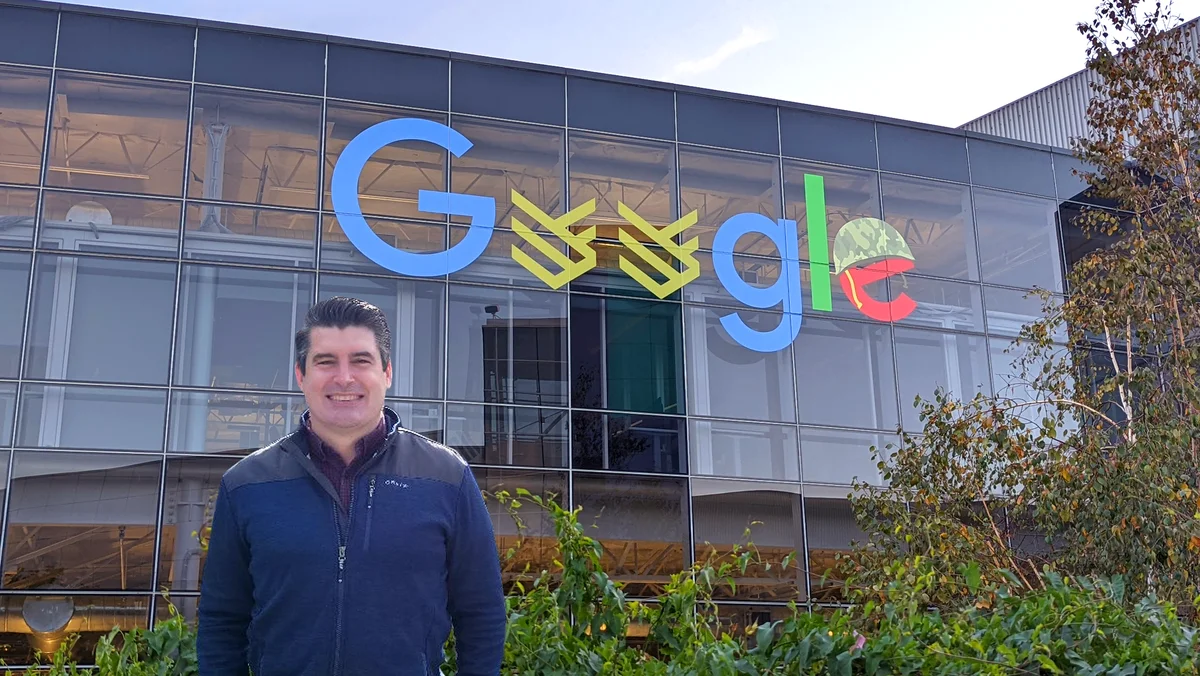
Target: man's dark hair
[{"x": 341, "y": 312}]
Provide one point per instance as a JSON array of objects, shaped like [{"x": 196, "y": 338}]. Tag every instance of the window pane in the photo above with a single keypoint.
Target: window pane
[
  {"x": 1018, "y": 240},
  {"x": 764, "y": 272},
  {"x": 118, "y": 135},
  {"x": 496, "y": 264},
  {"x": 718, "y": 184},
  {"x": 727, "y": 123},
  {"x": 935, "y": 220},
  {"x": 237, "y": 235},
  {"x": 609, "y": 279},
  {"x": 416, "y": 315},
  {"x": 260, "y": 61},
  {"x": 27, "y": 36},
  {"x": 508, "y": 347},
  {"x": 532, "y": 542},
  {"x": 849, "y": 194},
  {"x": 1012, "y": 167},
  {"x": 612, "y": 171},
  {"x": 18, "y": 210},
  {"x": 512, "y": 93},
  {"x": 90, "y": 613},
  {"x": 91, "y": 418},
  {"x": 387, "y": 77},
  {"x": 8, "y": 406},
  {"x": 726, "y": 380},
  {"x": 337, "y": 253},
  {"x": 747, "y": 450},
  {"x": 722, "y": 512},
  {"x": 831, "y": 531},
  {"x": 941, "y": 304},
  {"x": 620, "y": 108},
  {"x": 628, "y": 443},
  {"x": 927, "y": 360},
  {"x": 24, "y": 94},
  {"x": 641, "y": 524},
  {"x": 14, "y": 279},
  {"x": 828, "y": 138},
  {"x": 507, "y": 157},
  {"x": 75, "y": 333},
  {"x": 256, "y": 148},
  {"x": 188, "y": 501},
  {"x": 392, "y": 178},
  {"x": 236, "y": 327},
  {"x": 111, "y": 44},
  {"x": 841, "y": 457},
  {"x": 129, "y": 226},
  {"x": 845, "y": 374},
  {"x": 82, "y": 521},
  {"x": 906, "y": 150},
  {"x": 500, "y": 435},
  {"x": 233, "y": 424},
  {"x": 422, "y": 417},
  {"x": 626, "y": 354},
  {"x": 1010, "y": 310}
]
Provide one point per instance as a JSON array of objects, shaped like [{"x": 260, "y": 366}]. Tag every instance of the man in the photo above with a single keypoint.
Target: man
[{"x": 352, "y": 545}]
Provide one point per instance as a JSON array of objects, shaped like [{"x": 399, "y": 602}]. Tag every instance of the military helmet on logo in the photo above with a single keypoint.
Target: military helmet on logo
[{"x": 867, "y": 250}]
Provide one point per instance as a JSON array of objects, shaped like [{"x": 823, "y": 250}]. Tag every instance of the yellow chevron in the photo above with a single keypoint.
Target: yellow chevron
[
  {"x": 665, "y": 238},
  {"x": 580, "y": 242}
]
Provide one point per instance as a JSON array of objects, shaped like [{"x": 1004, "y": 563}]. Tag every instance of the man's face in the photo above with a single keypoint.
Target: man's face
[{"x": 345, "y": 383}]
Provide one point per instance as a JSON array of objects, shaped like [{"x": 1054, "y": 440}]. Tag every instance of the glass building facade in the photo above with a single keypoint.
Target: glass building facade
[{"x": 166, "y": 219}]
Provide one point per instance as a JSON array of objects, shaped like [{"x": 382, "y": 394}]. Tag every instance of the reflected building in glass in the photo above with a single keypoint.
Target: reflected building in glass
[{"x": 165, "y": 223}]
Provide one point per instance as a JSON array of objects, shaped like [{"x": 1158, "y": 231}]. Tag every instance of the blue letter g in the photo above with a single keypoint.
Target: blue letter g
[{"x": 786, "y": 290}]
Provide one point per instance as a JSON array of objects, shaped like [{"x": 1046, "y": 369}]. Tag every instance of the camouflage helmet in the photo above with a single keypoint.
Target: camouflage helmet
[{"x": 866, "y": 240}]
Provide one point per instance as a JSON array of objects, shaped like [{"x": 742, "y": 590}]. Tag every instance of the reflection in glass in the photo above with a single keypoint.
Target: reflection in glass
[
  {"x": 238, "y": 235},
  {"x": 507, "y": 435},
  {"x": 642, "y": 527},
  {"x": 831, "y": 530},
  {"x": 849, "y": 194},
  {"x": 14, "y": 279},
  {"x": 747, "y": 450},
  {"x": 726, "y": 380},
  {"x": 628, "y": 443},
  {"x": 935, "y": 219},
  {"x": 496, "y": 264},
  {"x": 845, "y": 374},
  {"x": 89, "y": 618},
  {"x": 529, "y": 547},
  {"x": 842, "y": 457},
  {"x": 337, "y": 253},
  {"x": 609, "y": 279},
  {"x": 639, "y": 174},
  {"x": 422, "y": 417},
  {"x": 18, "y": 210},
  {"x": 8, "y": 405},
  {"x": 128, "y": 226},
  {"x": 228, "y": 423},
  {"x": 24, "y": 94},
  {"x": 626, "y": 355},
  {"x": 236, "y": 327},
  {"x": 507, "y": 157},
  {"x": 509, "y": 346},
  {"x": 927, "y": 360},
  {"x": 82, "y": 521},
  {"x": 118, "y": 134},
  {"x": 189, "y": 497},
  {"x": 719, "y": 184},
  {"x": 723, "y": 512},
  {"x": 1010, "y": 310},
  {"x": 416, "y": 314},
  {"x": 1016, "y": 371},
  {"x": 86, "y": 418},
  {"x": 395, "y": 174},
  {"x": 254, "y": 147},
  {"x": 1018, "y": 240},
  {"x": 101, "y": 320},
  {"x": 941, "y": 304}
]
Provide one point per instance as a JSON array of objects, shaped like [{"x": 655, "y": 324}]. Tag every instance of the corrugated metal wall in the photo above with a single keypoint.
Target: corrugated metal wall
[{"x": 1056, "y": 114}]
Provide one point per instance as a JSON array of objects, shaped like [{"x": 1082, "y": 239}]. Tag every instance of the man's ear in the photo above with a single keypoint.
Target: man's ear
[
  {"x": 388, "y": 374},
  {"x": 299, "y": 376}
]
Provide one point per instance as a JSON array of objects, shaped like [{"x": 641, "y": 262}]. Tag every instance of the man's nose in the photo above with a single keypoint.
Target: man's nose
[{"x": 344, "y": 374}]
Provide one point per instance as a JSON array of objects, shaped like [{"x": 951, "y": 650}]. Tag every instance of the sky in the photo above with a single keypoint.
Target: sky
[{"x": 942, "y": 62}]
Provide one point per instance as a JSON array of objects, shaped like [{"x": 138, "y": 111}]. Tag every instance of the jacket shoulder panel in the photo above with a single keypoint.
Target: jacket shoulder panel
[
  {"x": 420, "y": 457},
  {"x": 272, "y": 463}
]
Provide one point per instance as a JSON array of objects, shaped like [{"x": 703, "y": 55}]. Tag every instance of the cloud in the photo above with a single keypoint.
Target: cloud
[{"x": 749, "y": 38}]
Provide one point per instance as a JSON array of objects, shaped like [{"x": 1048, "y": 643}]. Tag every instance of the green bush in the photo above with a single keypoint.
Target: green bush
[{"x": 573, "y": 620}]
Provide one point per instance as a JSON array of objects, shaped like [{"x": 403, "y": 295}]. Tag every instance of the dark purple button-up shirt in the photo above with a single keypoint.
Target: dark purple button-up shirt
[{"x": 330, "y": 463}]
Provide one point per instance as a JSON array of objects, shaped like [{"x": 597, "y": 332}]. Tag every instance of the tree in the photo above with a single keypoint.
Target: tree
[{"x": 1095, "y": 468}]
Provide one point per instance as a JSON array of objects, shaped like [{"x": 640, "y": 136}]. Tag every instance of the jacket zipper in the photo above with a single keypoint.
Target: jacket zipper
[
  {"x": 341, "y": 585},
  {"x": 370, "y": 501}
]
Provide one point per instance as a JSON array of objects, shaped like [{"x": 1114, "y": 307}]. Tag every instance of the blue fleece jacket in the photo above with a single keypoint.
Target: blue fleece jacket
[{"x": 292, "y": 586}]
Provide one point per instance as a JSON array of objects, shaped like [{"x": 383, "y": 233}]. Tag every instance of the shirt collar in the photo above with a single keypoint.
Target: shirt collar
[{"x": 366, "y": 446}]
